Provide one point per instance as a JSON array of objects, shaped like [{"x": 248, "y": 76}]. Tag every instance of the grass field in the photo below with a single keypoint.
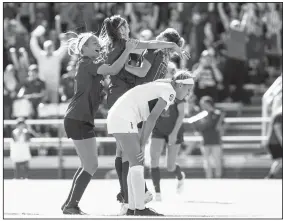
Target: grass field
[{"x": 200, "y": 199}]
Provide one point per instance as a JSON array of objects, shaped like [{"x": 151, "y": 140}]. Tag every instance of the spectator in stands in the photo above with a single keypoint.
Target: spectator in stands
[
  {"x": 11, "y": 87},
  {"x": 235, "y": 67},
  {"x": 274, "y": 142},
  {"x": 66, "y": 90},
  {"x": 20, "y": 149},
  {"x": 175, "y": 22},
  {"x": 20, "y": 63},
  {"x": 49, "y": 62},
  {"x": 273, "y": 23},
  {"x": 211, "y": 129},
  {"x": 33, "y": 89},
  {"x": 208, "y": 77}
]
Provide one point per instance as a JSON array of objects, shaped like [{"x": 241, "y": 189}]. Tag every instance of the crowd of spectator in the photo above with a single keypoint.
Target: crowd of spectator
[{"x": 229, "y": 43}]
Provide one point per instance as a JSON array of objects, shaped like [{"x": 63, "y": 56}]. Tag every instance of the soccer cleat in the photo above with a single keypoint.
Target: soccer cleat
[
  {"x": 147, "y": 212},
  {"x": 73, "y": 211},
  {"x": 180, "y": 184},
  {"x": 120, "y": 197},
  {"x": 158, "y": 197},
  {"x": 130, "y": 212},
  {"x": 148, "y": 197},
  {"x": 124, "y": 209}
]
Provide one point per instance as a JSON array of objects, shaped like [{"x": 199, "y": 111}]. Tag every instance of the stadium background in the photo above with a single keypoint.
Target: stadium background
[{"x": 201, "y": 25}]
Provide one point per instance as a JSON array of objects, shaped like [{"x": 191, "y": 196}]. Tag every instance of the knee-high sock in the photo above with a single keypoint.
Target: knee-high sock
[
  {"x": 125, "y": 170},
  {"x": 73, "y": 184},
  {"x": 118, "y": 167},
  {"x": 138, "y": 184},
  {"x": 155, "y": 176},
  {"x": 131, "y": 198},
  {"x": 80, "y": 185},
  {"x": 177, "y": 172}
]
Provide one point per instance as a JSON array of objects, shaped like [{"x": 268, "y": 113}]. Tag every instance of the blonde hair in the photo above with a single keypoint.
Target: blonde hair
[
  {"x": 76, "y": 44},
  {"x": 179, "y": 76}
]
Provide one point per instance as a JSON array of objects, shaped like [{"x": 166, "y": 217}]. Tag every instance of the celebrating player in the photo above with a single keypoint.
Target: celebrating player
[
  {"x": 168, "y": 131},
  {"x": 80, "y": 114},
  {"x": 114, "y": 35},
  {"x": 123, "y": 118},
  {"x": 154, "y": 62}
]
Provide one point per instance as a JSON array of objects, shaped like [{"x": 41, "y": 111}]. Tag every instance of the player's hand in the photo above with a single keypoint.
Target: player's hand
[
  {"x": 172, "y": 139},
  {"x": 182, "y": 53},
  {"x": 132, "y": 44}
]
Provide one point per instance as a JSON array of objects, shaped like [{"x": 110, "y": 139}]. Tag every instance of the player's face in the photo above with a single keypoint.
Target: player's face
[
  {"x": 92, "y": 48},
  {"x": 183, "y": 90}
]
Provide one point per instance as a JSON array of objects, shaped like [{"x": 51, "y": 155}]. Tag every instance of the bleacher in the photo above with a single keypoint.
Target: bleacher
[{"x": 242, "y": 138}]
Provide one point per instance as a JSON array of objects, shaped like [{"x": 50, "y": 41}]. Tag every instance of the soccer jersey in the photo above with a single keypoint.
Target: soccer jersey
[
  {"x": 167, "y": 120},
  {"x": 136, "y": 104},
  {"x": 159, "y": 61},
  {"x": 88, "y": 88},
  {"x": 123, "y": 76}
]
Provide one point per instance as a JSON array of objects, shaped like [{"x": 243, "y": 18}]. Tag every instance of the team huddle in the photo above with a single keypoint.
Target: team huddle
[{"x": 145, "y": 100}]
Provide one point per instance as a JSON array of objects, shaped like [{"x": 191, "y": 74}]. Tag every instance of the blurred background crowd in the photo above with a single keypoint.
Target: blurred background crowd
[{"x": 235, "y": 47}]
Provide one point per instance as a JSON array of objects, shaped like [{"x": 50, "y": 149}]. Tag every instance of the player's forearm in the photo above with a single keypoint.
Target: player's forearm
[
  {"x": 116, "y": 67},
  {"x": 155, "y": 44}
]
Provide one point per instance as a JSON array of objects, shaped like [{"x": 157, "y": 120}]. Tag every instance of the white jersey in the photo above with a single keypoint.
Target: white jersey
[{"x": 136, "y": 104}]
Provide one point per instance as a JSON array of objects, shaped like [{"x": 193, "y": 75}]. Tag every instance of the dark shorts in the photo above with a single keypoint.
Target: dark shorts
[
  {"x": 275, "y": 151},
  {"x": 78, "y": 130},
  {"x": 160, "y": 135}
]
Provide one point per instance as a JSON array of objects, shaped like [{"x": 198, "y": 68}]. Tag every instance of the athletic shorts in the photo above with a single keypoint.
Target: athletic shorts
[
  {"x": 78, "y": 130},
  {"x": 160, "y": 135},
  {"x": 116, "y": 124},
  {"x": 275, "y": 151}
]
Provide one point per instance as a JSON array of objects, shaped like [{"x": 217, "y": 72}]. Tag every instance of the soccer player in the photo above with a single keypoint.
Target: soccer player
[
  {"x": 129, "y": 110},
  {"x": 114, "y": 34},
  {"x": 81, "y": 111},
  {"x": 211, "y": 128},
  {"x": 274, "y": 142},
  {"x": 168, "y": 131}
]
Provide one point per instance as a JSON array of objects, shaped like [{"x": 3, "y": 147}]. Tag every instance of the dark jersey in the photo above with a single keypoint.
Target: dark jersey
[
  {"x": 208, "y": 128},
  {"x": 167, "y": 120},
  {"x": 88, "y": 88},
  {"x": 272, "y": 139},
  {"x": 123, "y": 78},
  {"x": 159, "y": 61}
]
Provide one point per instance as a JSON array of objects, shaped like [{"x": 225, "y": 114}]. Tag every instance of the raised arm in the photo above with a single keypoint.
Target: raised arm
[
  {"x": 62, "y": 50},
  {"x": 224, "y": 18},
  {"x": 34, "y": 46}
]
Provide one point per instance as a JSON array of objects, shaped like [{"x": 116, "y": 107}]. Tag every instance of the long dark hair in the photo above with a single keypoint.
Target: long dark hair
[
  {"x": 110, "y": 33},
  {"x": 171, "y": 35}
]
